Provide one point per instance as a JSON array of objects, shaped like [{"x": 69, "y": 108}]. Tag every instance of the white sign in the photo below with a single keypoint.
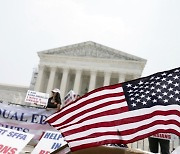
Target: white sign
[
  {"x": 49, "y": 142},
  {"x": 25, "y": 119},
  {"x": 71, "y": 96},
  {"x": 166, "y": 136},
  {"x": 37, "y": 98},
  {"x": 12, "y": 141}
]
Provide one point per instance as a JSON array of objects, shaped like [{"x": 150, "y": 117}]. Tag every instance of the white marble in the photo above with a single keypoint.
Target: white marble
[{"x": 92, "y": 59}]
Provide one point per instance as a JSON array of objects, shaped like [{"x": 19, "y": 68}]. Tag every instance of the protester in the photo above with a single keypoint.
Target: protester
[
  {"x": 55, "y": 100},
  {"x": 154, "y": 145}
]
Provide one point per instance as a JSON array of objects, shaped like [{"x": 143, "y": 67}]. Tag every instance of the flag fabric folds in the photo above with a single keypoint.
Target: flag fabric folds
[{"x": 122, "y": 113}]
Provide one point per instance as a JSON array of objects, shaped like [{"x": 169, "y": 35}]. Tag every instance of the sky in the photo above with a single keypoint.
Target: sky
[{"x": 149, "y": 29}]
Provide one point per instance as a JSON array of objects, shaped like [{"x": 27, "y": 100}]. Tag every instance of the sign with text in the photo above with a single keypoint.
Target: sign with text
[
  {"x": 49, "y": 142},
  {"x": 25, "y": 119},
  {"x": 37, "y": 98},
  {"x": 71, "y": 96},
  {"x": 12, "y": 141},
  {"x": 166, "y": 136}
]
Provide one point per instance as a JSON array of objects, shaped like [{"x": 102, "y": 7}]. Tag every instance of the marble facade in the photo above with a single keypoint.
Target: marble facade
[{"x": 85, "y": 66}]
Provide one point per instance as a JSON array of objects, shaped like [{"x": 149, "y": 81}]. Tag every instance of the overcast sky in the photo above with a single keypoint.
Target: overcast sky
[{"x": 149, "y": 29}]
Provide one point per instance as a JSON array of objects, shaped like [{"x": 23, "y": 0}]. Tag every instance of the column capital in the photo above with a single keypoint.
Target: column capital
[
  {"x": 40, "y": 67},
  {"x": 108, "y": 73},
  {"x": 66, "y": 69},
  {"x": 93, "y": 71},
  {"x": 136, "y": 76},
  {"x": 78, "y": 69},
  {"x": 53, "y": 68}
]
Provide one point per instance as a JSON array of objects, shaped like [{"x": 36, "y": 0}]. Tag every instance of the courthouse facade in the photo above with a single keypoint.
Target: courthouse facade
[
  {"x": 83, "y": 67},
  {"x": 79, "y": 67}
]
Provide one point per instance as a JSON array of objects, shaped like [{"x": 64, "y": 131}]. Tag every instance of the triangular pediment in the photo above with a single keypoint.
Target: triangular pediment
[{"x": 91, "y": 49}]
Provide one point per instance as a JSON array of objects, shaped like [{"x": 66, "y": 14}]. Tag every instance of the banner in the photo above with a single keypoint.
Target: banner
[
  {"x": 12, "y": 141},
  {"x": 37, "y": 98},
  {"x": 52, "y": 140},
  {"x": 165, "y": 136},
  {"x": 25, "y": 119}
]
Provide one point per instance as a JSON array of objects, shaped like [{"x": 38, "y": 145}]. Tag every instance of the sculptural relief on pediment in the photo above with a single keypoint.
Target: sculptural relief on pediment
[{"x": 91, "y": 49}]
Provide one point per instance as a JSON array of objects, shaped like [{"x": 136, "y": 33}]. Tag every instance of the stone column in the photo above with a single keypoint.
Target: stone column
[
  {"x": 92, "y": 82},
  {"x": 136, "y": 76},
  {"x": 77, "y": 81},
  {"x": 107, "y": 78},
  {"x": 64, "y": 82},
  {"x": 50, "y": 85},
  {"x": 39, "y": 80},
  {"x": 121, "y": 78}
]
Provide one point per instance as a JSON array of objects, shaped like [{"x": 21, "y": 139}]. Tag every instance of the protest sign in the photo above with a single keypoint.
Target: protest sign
[
  {"x": 25, "y": 119},
  {"x": 37, "y": 98},
  {"x": 12, "y": 141},
  {"x": 166, "y": 136},
  {"x": 49, "y": 142},
  {"x": 71, "y": 96}
]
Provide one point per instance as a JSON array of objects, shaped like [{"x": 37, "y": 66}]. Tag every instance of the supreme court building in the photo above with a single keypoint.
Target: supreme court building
[
  {"x": 79, "y": 67},
  {"x": 83, "y": 67}
]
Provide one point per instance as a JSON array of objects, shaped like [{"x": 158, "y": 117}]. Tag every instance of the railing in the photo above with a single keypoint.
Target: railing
[{"x": 144, "y": 144}]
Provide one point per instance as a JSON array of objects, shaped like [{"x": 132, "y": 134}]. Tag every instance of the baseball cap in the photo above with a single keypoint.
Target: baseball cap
[{"x": 56, "y": 90}]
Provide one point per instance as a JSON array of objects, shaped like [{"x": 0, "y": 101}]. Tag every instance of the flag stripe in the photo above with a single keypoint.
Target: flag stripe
[
  {"x": 107, "y": 140},
  {"x": 105, "y": 127},
  {"x": 106, "y": 110},
  {"x": 112, "y": 139},
  {"x": 126, "y": 138},
  {"x": 93, "y": 96},
  {"x": 127, "y": 117},
  {"x": 145, "y": 123}
]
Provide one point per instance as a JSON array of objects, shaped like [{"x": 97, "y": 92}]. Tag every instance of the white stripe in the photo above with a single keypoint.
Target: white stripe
[
  {"x": 93, "y": 95},
  {"x": 99, "y": 110},
  {"x": 151, "y": 129},
  {"x": 125, "y": 138},
  {"x": 120, "y": 128},
  {"x": 129, "y": 114},
  {"x": 88, "y": 106}
]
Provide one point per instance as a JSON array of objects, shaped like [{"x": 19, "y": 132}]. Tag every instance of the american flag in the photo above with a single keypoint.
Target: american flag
[{"x": 122, "y": 113}]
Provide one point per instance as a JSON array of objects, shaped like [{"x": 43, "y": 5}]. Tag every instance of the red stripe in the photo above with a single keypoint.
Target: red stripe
[
  {"x": 89, "y": 101},
  {"x": 97, "y": 90},
  {"x": 122, "y": 121},
  {"x": 103, "y": 113},
  {"x": 126, "y": 132},
  {"x": 110, "y": 141}
]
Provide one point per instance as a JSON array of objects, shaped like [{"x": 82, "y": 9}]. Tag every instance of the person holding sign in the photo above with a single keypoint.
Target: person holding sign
[{"x": 55, "y": 100}]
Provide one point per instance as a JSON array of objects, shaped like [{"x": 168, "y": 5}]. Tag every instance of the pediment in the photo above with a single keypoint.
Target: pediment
[{"x": 91, "y": 49}]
